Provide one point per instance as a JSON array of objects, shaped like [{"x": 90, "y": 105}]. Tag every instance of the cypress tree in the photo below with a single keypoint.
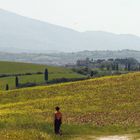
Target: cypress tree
[
  {"x": 7, "y": 87},
  {"x": 129, "y": 66},
  {"x": 46, "y": 75},
  {"x": 16, "y": 82},
  {"x": 92, "y": 73}
]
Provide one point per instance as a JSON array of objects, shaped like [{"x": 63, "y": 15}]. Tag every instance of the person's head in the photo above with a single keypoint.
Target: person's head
[{"x": 57, "y": 108}]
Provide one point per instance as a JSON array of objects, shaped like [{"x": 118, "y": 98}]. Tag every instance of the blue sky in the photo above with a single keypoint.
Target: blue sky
[{"x": 118, "y": 16}]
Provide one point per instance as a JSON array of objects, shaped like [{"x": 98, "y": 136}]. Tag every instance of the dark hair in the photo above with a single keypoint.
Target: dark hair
[{"x": 57, "y": 108}]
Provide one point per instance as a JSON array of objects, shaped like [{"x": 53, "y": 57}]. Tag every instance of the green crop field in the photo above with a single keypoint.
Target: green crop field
[
  {"x": 22, "y": 68},
  {"x": 91, "y": 108}
]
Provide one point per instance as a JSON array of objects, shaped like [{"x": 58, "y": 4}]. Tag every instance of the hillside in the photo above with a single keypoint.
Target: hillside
[
  {"x": 18, "y": 67},
  {"x": 102, "y": 106},
  {"x": 22, "y": 34},
  {"x": 27, "y": 68}
]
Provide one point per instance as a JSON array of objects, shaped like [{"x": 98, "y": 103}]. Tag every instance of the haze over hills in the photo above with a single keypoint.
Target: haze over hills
[
  {"x": 67, "y": 58},
  {"x": 21, "y": 34}
]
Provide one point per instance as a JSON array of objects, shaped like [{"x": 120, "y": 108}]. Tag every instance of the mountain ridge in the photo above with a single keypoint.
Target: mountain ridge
[{"x": 24, "y": 34}]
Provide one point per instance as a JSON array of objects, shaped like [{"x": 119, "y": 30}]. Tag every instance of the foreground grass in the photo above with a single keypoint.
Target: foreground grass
[{"x": 102, "y": 106}]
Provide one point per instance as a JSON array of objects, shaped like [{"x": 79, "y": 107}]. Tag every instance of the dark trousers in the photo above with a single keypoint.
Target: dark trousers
[{"x": 57, "y": 125}]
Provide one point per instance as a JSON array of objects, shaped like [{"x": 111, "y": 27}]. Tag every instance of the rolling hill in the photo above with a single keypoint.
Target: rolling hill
[
  {"x": 102, "y": 106},
  {"x": 22, "y": 34},
  {"x": 11, "y": 68}
]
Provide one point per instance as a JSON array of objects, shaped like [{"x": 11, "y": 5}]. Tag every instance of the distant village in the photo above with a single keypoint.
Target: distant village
[{"x": 129, "y": 64}]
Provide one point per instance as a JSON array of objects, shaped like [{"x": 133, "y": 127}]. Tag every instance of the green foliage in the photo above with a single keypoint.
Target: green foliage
[
  {"x": 82, "y": 70},
  {"x": 93, "y": 73}
]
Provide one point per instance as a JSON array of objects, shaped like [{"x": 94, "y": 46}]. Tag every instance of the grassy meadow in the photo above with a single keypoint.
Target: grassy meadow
[
  {"x": 19, "y": 67},
  {"x": 96, "y": 107},
  {"x": 22, "y": 68}
]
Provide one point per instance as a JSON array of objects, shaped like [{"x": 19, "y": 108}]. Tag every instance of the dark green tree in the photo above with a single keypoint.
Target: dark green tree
[
  {"x": 139, "y": 67},
  {"x": 46, "y": 74},
  {"x": 7, "y": 87},
  {"x": 113, "y": 66},
  {"x": 117, "y": 67},
  {"x": 129, "y": 67},
  {"x": 86, "y": 69},
  {"x": 126, "y": 67},
  {"x": 16, "y": 82},
  {"x": 91, "y": 74},
  {"x": 108, "y": 67}
]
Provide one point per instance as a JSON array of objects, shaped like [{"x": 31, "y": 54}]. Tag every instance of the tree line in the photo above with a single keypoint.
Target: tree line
[{"x": 17, "y": 83}]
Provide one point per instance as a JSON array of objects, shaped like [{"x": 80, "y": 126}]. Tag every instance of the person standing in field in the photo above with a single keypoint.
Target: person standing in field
[{"x": 57, "y": 121}]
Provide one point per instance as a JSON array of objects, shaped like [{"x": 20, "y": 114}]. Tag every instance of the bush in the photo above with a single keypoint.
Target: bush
[
  {"x": 39, "y": 73},
  {"x": 82, "y": 70},
  {"x": 27, "y": 85},
  {"x": 62, "y": 80},
  {"x": 93, "y": 73}
]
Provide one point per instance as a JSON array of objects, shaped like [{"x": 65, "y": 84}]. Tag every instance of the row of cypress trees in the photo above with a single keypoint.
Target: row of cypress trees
[{"x": 46, "y": 77}]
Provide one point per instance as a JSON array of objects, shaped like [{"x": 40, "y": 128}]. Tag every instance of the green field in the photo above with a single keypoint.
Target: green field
[
  {"x": 22, "y": 68},
  {"x": 17, "y": 67},
  {"x": 91, "y": 108}
]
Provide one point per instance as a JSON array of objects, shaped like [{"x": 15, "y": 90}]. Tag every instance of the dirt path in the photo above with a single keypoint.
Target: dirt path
[
  {"x": 117, "y": 137},
  {"x": 114, "y": 138}
]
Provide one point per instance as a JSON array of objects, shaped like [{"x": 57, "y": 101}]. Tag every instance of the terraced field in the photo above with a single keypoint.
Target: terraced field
[{"x": 95, "y": 107}]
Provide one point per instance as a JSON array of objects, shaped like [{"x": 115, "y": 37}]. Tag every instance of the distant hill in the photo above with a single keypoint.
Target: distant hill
[
  {"x": 65, "y": 58},
  {"x": 21, "y": 34}
]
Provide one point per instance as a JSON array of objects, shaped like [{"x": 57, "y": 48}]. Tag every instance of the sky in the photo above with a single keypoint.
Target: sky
[{"x": 117, "y": 16}]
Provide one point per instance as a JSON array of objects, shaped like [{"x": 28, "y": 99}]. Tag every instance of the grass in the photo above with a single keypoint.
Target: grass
[
  {"x": 101, "y": 106},
  {"x": 22, "y": 68},
  {"x": 17, "y": 67},
  {"x": 34, "y": 79}
]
